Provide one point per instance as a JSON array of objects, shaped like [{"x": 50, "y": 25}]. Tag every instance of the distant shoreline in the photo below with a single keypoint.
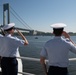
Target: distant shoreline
[{"x": 42, "y": 34}]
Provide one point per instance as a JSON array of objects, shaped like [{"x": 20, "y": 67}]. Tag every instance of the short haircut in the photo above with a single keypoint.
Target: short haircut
[{"x": 58, "y": 31}]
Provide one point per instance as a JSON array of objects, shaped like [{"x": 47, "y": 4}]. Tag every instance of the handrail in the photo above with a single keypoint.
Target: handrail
[
  {"x": 29, "y": 58},
  {"x": 37, "y": 59},
  {"x": 34, "y": 59},
  {"x": 72, "y": 59},
  {"x": 25, "y": 58},
  {"x": 24, "y": 73}
]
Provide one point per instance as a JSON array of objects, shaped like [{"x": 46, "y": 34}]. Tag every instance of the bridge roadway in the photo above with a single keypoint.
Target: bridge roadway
[
  {"x": 24, "y": 29},
  {"x": 20, "y": 28},
  {"x": 30, "y": 31}
]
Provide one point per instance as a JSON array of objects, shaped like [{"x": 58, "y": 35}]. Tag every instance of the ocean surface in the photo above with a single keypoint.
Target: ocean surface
[{"x": 33, "y": 50}]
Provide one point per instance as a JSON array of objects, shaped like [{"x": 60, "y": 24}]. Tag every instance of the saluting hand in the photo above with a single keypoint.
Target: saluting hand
[
  {"x": 66, "y": 35},
  {"x": 23, "y": 37}
]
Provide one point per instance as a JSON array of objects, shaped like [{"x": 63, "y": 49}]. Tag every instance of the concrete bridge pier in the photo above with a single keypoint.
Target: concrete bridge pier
[{"x": 31, "y": 32}]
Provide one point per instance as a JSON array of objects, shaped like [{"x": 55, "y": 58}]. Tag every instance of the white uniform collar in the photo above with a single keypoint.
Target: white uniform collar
[{"x": 57, "y": 37}]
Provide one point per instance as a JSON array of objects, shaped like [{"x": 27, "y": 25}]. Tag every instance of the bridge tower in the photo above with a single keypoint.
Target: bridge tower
[
  {"x": 31, "y": 32},
  {"x": 6, "y": 14},
  {"x": 6, "y": 17}
]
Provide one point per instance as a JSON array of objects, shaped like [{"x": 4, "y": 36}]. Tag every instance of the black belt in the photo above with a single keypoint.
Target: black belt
[
  {"x": 58, "y": 67},
  {"x": 8, "y": 57},
  {"x": 55, "y": 70}
]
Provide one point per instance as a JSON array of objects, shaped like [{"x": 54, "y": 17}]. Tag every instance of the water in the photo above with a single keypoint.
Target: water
[{"x": 33, "y": 50}]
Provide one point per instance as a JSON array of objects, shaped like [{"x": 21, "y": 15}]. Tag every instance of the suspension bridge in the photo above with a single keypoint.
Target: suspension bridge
[
  {"x": 7, "y": 10},
  {"x": 31, "y": 31}
]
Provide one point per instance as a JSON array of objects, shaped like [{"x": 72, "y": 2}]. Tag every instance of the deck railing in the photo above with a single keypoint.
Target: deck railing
[
  {"x": 38, "y": 60},
  {"x": 34, "y": 59}
]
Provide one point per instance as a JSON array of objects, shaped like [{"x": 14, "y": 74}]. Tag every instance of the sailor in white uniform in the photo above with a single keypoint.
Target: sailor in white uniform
[
  {"x": 9, "y": 50},
  {"x": 56, "y": 50}
]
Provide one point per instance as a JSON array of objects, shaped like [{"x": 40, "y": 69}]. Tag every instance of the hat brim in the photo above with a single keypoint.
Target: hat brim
[
  {"x": 8, "y": 26},
  {"x": 58, "y": 25}
]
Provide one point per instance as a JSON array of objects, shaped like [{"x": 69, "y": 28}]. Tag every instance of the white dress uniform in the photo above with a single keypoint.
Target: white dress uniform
[
  {"x": 20, "y": 66},
  {"x": 56, "y": 50},
  {"x": 9, "y": 49},
  {"x": 10, "y": 46}
]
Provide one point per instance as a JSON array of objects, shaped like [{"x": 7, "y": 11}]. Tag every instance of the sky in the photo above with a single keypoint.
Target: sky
[{"x": 40, "y": 14}]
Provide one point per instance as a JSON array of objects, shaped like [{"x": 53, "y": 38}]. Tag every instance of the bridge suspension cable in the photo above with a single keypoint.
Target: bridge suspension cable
[{"x": 19, "y": 19}]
